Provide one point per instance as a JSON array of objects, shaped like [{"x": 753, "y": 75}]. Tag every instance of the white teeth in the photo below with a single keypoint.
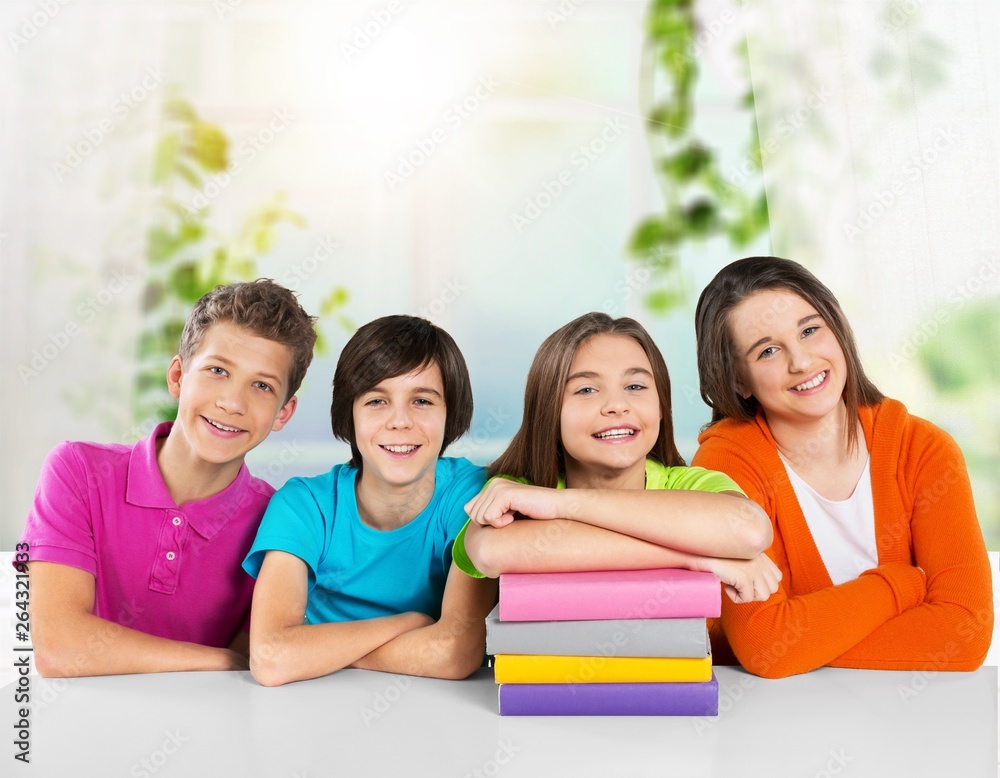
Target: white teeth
[
  {"x": 399, "y": 449},
  {"x": 812, "y": 384},
  {"x": 223, "y": 427},
  {"x": 620, "y": 433}
]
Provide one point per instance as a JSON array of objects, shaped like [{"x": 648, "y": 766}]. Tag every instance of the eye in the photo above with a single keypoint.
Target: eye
[
  {"x": 635, "y": 387},
  {"x": 262, "y": 386},
  {"x": 770, "y": 351},
  {"x": 809, "y": 331},
  {"x": 422, "y": 401},
  {"x": 216, "y": 370},
  {"x": 585, "y": 390},
  {"x": 375, "y": 402}
]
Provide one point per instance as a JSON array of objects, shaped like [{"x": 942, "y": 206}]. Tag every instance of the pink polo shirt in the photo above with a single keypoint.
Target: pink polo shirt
[{"x": 167, "y": 571}]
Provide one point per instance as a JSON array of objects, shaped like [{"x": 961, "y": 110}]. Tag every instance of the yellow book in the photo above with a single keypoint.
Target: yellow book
[{"x": 518, "y": 668}]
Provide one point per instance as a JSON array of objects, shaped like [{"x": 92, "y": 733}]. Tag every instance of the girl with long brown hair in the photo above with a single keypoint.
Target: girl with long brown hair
[{"x": 596, "y": 474}]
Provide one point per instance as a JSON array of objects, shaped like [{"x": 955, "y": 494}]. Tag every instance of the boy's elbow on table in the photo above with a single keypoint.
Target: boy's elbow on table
[{"x": 268, "y": 672}]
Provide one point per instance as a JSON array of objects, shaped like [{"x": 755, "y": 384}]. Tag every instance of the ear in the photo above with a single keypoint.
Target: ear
[
  {"x": 286, "y": 412},
  {"x": 741, "y": 390},
  {"x": 175, "y": 371}
]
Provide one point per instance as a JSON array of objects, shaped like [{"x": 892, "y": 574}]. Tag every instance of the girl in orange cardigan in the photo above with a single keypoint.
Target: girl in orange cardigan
[{"x": 875, "y": 531}]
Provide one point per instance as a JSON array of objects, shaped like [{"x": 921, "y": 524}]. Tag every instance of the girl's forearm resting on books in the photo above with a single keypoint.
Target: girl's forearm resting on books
[
  {"x": 702, "y": 523},
  {"x": 563, "y": 545},
  {"x": 283, "y": 649},
  {"x": 69, "y": 640}
]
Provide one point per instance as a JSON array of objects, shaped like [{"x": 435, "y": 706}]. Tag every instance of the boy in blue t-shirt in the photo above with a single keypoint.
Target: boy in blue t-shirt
[{"x": 354, "y": 567}]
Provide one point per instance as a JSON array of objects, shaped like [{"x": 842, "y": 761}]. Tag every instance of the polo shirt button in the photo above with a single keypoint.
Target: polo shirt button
[
  {"x": 177, "y": 521},
  {"x": 171, "y": 556}
]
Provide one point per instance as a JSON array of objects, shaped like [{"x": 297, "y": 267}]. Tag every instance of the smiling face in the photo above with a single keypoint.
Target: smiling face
[
  {"x": 399, "y": 428},
  {"x": 230, "y": 394},
  {"x": 790, "y": 359},
  {"x": 610, "y": 414}
]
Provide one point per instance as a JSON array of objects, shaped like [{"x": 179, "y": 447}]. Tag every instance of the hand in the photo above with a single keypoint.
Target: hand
[
  {"x": 417, "y": 619},
  {"x": 746, "y": 580},
  {"x": 233, "y": 660},
  {"x": 500, "y": 499}
]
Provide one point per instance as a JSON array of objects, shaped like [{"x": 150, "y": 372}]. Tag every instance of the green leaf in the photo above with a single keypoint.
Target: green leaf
[
  {"x": 189, "y": 175},
  {"x": 209, "y": 146},
  {"x": 165, "y": 157},
  {"x": 185, "y": 283},
  {"x": 687, "y": 163},
  {"x": 170, "y": 332},
  {"x": 176, "y": 109},
  {"x": 161, "y": 245},
  {"x": 700, "y": 217},
  {"x": 337, "y": 298},
  {"x": 662, "y": 301}
]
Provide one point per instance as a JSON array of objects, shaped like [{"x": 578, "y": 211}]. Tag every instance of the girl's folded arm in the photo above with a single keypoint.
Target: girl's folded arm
[
  {"x": 952, "y": 627},
  {"x": 696, "y": 522},
  {"x": 283, "y": 649},
  {"x": 723, "y": 524},
  {"x": 789, "y": 635},
  {"x": 564, "y": 545}
]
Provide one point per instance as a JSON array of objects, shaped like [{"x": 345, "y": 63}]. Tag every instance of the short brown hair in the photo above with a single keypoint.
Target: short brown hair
[
  {"x": 719, "y": 368},
  {"x": 262, "y": 307},
  {"x": 394, "y": 346},
  {"x": 535, "y": 452}
]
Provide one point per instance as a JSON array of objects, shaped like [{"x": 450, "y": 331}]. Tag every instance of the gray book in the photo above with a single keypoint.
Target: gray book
[{"x": 614, "y": 637}]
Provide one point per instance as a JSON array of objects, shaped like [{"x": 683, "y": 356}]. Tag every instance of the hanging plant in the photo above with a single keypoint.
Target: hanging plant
[{"x": 700, "y": 203}]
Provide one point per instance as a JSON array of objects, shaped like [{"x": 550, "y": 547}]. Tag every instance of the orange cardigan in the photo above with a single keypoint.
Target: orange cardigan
[{"x": 892, "y": 617}]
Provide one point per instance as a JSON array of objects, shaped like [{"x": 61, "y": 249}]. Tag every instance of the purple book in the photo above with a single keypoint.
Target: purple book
[{"x": 610, "y": 699}]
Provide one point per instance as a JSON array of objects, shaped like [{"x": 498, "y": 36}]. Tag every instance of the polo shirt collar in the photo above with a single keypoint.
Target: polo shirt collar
[{"x": 145, "y": 488}]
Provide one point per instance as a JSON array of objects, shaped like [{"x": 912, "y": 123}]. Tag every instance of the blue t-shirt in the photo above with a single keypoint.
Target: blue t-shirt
[{"x": 356, "y": 571}]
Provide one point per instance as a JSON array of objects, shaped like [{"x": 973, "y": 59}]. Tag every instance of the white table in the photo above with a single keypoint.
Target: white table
[{"x": 359, "y": 723}]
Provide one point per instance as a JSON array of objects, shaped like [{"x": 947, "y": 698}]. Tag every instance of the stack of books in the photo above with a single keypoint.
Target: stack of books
[{"x": 610, "y": 643}]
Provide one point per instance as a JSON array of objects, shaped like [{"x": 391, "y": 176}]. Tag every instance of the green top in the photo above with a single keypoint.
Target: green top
[{"x": 657, "y": 477}]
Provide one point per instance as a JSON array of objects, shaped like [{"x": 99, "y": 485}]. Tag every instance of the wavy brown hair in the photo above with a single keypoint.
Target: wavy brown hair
[
  {"x": 535, "y": 452},
  {"x": 265, "y": 309},
  {"x": 719, "y": 366}
]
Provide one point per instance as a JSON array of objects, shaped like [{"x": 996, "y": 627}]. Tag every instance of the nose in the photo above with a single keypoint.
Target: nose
[
  {"x": 615, "y": 404},
  {"x": 399, "y": 418},
  {"x": 799, "y": 358},
  {"x": 231, "y": 401}
]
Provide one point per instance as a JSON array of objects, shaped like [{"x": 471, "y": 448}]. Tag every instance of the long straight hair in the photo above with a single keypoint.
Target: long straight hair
[
  {"x": 720, "y": 368},
  {"x": 536, "y": 452}
]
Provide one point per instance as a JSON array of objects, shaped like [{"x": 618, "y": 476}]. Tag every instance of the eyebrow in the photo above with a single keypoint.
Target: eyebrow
[
  {"x": 766, "y": 338},
  {"x": 229, "y": 363},
  {"x": 418, "y": 390},
  {"x": 591, "y": 375}
]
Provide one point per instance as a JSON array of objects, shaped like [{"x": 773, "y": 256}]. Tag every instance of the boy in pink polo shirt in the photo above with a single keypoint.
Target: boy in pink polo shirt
[{"x": 135, "y": 551}]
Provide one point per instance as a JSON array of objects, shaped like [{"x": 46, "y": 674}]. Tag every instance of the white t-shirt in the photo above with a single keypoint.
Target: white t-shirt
[{"x": 843, "y": 530}]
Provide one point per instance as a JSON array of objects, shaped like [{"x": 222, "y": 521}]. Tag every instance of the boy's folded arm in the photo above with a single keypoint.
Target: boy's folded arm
[
  {"x": 69, "y": 640},
  {"x": 452, "y": 647},
  {"x": 283, "y": 649}
]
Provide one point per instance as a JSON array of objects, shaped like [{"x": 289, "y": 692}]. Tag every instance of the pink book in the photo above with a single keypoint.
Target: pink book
[{"x": 609, "y": 594}]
